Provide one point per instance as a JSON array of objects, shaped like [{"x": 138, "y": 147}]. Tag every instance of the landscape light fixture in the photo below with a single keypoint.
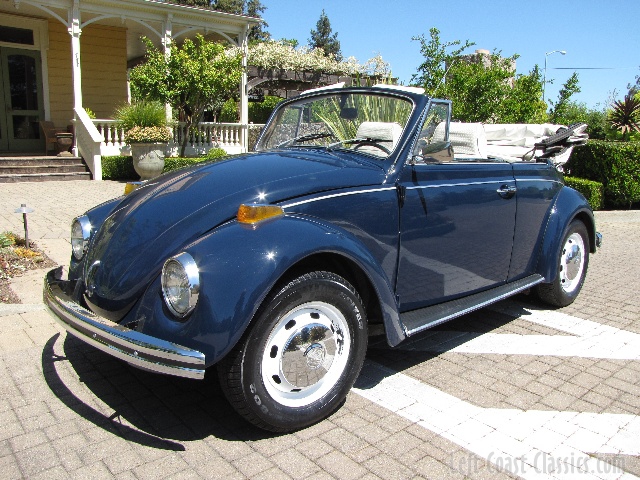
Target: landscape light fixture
[{"x": 24, "y": 210}]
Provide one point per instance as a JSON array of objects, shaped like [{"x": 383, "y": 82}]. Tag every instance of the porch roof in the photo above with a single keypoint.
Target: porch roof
[{"x": 141, "y": 17}]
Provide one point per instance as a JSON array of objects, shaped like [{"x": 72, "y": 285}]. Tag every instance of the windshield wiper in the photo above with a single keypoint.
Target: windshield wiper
[
  {"x": 304, "y": 138},
  {"x": 374, "y": 142}
]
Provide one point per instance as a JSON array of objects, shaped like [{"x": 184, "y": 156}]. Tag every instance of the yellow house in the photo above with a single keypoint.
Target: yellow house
[{"x": 58, "y": 57}]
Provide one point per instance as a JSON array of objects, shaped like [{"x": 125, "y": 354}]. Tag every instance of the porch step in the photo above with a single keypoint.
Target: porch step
[{"x": 43, "y": 168}]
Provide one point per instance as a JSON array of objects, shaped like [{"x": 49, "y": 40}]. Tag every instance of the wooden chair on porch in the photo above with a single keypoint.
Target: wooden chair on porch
[{"x": 60, "y": 138}]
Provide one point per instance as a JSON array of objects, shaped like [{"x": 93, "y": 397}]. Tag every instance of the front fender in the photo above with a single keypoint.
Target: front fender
[
  {"x": 568, "y": 206},
  {"x": 240, "y": 264}
]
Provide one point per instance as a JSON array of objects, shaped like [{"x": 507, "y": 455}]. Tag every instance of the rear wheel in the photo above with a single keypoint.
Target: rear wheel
[
  {"x": 303, "y": 354},
  {"x": 572, "y": 268}
]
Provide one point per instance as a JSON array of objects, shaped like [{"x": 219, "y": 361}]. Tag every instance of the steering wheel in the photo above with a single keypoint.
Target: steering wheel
[{"x": 373, "y": 143}]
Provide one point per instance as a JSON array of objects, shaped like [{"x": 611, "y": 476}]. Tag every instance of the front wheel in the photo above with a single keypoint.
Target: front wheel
[
  {"x": 302, "y": 355},
  {"x": 572, "y": 268}
]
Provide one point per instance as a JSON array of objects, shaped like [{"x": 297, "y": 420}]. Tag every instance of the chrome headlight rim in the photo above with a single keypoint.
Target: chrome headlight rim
[
  {"x": 80, "y": 244},
  {"x": 190, "y": 285}
]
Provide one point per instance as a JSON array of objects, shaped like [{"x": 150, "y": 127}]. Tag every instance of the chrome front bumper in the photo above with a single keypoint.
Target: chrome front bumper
[{"x": 138, "y": 349}]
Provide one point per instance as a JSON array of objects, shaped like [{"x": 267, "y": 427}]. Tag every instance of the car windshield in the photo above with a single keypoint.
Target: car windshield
[{"x": 368, "y": 123}]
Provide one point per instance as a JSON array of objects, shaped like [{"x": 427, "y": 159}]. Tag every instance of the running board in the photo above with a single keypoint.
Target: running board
[{"x": 416, "y": 321}]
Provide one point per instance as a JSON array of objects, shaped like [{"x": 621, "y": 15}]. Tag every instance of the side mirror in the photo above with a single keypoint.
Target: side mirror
[{"x": 436, "y": 152}]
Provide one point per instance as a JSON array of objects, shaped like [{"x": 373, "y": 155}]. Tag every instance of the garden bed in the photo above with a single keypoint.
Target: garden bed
[{"x": 15, "y": 260}]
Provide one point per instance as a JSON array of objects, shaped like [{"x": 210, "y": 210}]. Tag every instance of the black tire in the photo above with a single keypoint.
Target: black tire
[
  {"x": 573, "y": 261},
  {"x": 301, "y": 355}
]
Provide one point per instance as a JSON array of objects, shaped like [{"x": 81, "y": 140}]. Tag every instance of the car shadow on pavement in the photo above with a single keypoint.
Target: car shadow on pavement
[
  {"x": 439, "y": 340},
  {"x": 158, "y": 411}
]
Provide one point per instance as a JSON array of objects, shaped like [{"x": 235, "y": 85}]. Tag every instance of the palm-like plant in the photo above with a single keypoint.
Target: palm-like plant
[{"x": 625, "y": 116}]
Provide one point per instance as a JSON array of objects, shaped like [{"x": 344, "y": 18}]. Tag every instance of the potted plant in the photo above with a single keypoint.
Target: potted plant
[{"x": 147, "y": 133}]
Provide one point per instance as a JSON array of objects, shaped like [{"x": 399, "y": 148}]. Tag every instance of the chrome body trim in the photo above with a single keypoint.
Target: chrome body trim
[
  {"x": 334, "y": 195},
  {"x": 140, "y": 350},
  {"x": 459, "y": 184}
]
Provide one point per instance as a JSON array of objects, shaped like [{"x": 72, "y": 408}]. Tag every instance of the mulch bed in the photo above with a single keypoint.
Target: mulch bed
[{"x": 16, "y": 260}]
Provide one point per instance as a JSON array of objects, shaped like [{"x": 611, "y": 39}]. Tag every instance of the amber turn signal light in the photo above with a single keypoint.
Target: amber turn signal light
[{"x": 253, "y": 214}]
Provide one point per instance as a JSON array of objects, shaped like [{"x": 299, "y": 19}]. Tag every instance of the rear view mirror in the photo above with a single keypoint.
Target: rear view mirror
[{"x": 349, "y": 113}]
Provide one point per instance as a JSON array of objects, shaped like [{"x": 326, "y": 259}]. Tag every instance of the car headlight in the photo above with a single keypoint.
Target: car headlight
[
  {"x": 180, "y": 284},
  {"x": 80, "y": 234}
]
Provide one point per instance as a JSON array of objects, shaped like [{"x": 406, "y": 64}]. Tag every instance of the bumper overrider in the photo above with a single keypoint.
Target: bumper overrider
[{"x": 143, "y": 351}]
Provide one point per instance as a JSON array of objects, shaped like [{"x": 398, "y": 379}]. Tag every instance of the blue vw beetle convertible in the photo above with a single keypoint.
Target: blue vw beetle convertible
[{"x": 356, "y": 213}]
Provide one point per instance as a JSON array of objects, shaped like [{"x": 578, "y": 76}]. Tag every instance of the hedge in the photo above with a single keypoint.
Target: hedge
[
  {"x": 118, "y": 168},
  {"x": 592, "y": 191},
  {"x": 614, "y": 164},
  {"x": 121, "y": 167}
]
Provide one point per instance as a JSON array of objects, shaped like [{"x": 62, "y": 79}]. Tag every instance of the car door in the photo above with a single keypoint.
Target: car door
[{"x": 457, "y": 220}]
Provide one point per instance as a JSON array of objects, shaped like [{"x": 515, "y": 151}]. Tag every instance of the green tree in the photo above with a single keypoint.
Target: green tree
[
  {"x": 292, "y": 42},
  {"x": 523, "y": 104},
  {"x": 323, "y": 38},
  {"x": 478, "y": 87},
  {"x": 559, "y": 107},
  {"x": 483, "y": 87},
  {"x": 195, "y": 76},
  {"x": 251, "y": 8},
  {"x": 258, "y": 33},
  {"x": 229, "y": 6},
  {"x": 437, "y": 60},
  {"x": 577, "y": 112}
]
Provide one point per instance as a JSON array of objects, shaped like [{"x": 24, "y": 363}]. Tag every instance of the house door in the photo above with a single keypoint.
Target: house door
[{"x": 21, "y": 105}]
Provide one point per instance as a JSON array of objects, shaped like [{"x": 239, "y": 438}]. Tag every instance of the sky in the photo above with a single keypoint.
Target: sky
[{"x": 601, "y": 37}]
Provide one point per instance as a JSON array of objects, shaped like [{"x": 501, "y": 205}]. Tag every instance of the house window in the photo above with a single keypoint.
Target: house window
[{"x": 22, "y": 36}]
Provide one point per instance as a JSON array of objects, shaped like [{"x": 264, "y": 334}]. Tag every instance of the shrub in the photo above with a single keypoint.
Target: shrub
[
  {"x": 118, "y": 168},
  {"x": 174, "y": 163},
  {"x": 148, "y": 135},
  {"x": 592, "y": 191},
  {"x": 144, "y": 122},
  {"x": 216, "y": 154},
  {"x": 7, "y": 239},
  {"x": 141, "y": 114},
  {"x": 229, "y": 112},
  {"x": 121, "y": 167},
  {"x": 259, "y": 112},
  {"x": 614, "y": 164}
]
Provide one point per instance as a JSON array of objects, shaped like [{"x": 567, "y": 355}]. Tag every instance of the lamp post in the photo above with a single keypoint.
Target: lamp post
[{"x": 544, "y": 82}]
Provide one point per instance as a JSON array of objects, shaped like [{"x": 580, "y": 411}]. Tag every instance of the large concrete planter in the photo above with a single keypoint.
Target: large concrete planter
[{"x": 148, "y": 159}]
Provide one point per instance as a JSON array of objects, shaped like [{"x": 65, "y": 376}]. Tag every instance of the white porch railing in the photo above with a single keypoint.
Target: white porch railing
[
  {"x": 88, "y": 142},
  {"x": 209, "y": 135}
]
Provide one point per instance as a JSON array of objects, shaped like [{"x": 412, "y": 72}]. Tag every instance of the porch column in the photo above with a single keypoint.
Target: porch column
[
  {"x": 166, "y": 42},
  {"x": 244, "y": 97},
  {"x": 75, "y": 31}
]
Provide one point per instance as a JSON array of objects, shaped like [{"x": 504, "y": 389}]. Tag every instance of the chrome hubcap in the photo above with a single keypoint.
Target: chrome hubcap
[
  {"x": 572, "y": 262},
  {"x": 306, "y": 354}
]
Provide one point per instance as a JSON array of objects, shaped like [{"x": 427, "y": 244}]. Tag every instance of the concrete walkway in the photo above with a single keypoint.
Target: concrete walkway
[{"x": 55, "y": 205}]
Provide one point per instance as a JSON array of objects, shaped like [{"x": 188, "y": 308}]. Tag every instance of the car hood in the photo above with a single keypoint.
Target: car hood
[{"x": 159, "y": 218}]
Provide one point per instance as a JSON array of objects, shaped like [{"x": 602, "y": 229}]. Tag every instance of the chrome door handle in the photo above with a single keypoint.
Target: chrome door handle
[{"x": 507, "y": 191}]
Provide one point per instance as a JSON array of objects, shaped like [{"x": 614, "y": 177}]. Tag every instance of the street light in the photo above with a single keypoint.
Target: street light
[{"x": 544, "y": 83}]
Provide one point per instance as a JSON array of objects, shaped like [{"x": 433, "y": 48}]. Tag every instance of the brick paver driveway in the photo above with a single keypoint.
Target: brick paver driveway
[{"x": 510, "y": 391}]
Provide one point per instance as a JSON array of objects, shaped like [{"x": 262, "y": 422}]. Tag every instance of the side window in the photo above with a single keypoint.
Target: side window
[{"x": 433, "y": 141}]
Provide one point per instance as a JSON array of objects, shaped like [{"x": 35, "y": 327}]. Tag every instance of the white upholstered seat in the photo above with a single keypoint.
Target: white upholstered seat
[{"x": 385, "y": 134}]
